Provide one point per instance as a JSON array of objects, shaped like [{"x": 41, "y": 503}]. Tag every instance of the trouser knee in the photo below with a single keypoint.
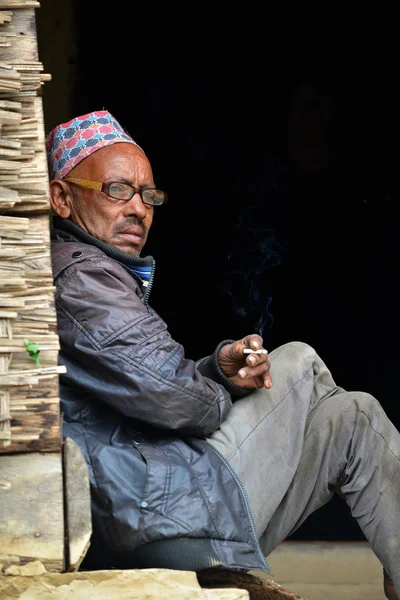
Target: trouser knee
[{"x": 294, "y": 359}]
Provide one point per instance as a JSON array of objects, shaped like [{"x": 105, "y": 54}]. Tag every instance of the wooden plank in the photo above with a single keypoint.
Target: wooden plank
[
  {"x": 19, "y": 4},
  {"x": 24, "y": 47},
  {"x": 5, "y": 418},
  {"x": 34, "y": 426},
  {"x": 31, "y": 510},
  {"x": 78, "y": 517},
  {"x": 34, "y": 411},
  {"x": 146, "y": 584}
]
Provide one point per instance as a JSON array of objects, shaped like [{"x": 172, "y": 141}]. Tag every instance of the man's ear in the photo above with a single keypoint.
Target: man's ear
[{"x": 60, "y": 198}]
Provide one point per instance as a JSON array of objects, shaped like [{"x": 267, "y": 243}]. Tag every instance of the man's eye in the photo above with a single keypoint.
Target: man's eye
[{"x": 120, "y": 190}]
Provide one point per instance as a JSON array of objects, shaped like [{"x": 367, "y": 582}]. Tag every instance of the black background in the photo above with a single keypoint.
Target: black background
[{"x": 284, "y": 205}]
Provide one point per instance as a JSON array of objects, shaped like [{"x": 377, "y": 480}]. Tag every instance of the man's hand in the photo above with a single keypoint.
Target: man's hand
[{"x": 246, "y": 370}]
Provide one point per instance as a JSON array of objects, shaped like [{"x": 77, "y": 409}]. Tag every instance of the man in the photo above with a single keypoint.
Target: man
[{"x": 193, "y": 466}]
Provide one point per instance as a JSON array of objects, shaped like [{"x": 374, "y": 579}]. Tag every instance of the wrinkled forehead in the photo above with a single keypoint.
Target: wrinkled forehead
[{"x": 119, "y": 162}]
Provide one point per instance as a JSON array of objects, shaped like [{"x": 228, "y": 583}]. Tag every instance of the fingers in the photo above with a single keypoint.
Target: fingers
[
  {"x": 258, "y": 369},
  {"x": 260, "y": 382},
  {"x": 266, "y": 381},
  {"x": 253, "y": 341},
  {"x": 255, "y": 359}
]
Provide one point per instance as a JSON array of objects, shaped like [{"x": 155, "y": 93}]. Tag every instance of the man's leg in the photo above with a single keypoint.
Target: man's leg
[{"x": 297, "y": 444}]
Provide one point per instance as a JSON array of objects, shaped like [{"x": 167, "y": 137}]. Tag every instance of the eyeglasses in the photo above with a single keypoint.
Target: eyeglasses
[{"x": 123, "y": 191}]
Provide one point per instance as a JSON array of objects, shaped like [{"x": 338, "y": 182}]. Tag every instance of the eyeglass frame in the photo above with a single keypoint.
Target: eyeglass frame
[{"x": 105, "y": 187}]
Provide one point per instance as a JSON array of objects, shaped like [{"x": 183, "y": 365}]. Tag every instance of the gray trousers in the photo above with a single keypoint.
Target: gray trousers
[{"x": 298, "y": 443}]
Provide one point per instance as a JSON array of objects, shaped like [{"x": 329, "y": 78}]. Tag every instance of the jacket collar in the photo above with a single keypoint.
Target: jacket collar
[{"x": 129, "y": 260}]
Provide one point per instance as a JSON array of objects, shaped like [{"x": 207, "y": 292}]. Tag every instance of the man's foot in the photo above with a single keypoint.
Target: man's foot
[
  {"x": 388, "y": 586},
  {"x": 258, "y": 588}
]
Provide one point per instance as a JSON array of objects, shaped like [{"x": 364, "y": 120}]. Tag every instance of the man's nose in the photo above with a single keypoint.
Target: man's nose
[{"x": 135, "y": 206}]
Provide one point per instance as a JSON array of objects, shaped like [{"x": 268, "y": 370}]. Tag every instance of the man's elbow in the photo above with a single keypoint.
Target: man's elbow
[{"x": 196, "y": 425}]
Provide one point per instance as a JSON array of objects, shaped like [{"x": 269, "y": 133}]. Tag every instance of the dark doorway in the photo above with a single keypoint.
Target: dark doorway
[{"x": 284, "y": 199}]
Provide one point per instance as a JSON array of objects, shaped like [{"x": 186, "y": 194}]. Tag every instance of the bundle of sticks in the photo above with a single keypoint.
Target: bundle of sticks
[
  {"x": 22, "y": 166},
  {"x": 21, "y": 152},
  {"x": 29, "y": 344},
  {"x": 27, "y": 319}
]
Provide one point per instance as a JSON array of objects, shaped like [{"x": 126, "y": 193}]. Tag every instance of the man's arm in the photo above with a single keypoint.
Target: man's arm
[{"x": 120, "y": 352}]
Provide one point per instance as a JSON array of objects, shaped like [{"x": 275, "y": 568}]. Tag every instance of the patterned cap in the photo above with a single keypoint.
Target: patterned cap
[{"x": 69, "y": 143}]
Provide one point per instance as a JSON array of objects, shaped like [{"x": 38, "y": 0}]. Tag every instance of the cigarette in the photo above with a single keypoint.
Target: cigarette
[{"x": 249, "y": 351}]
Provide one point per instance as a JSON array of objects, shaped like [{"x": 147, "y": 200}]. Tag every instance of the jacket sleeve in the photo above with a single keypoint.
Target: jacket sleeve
[
  {"x": 119, "y": 351},
  {"x": 209, "y": 367}
]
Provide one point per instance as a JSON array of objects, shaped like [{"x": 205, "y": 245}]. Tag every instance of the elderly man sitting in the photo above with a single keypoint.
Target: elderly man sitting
[{"x": 193, "y": 465}]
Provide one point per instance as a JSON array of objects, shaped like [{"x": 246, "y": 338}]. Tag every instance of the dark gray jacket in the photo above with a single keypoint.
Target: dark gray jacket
[{"x": 140, "y": 412}]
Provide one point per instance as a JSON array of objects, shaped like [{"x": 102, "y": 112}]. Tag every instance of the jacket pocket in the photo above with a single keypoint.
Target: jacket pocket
[{"x": 157, "y": 487}]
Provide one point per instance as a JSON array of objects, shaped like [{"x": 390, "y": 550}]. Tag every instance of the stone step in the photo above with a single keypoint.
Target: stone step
[
  {"x": 326, "y": 562},
  {"x": 334, "y": 591},
  {"x": 33, "y": 582},
  {"x": 145, "y": 584},
  {"x": 328, "y": 570}
]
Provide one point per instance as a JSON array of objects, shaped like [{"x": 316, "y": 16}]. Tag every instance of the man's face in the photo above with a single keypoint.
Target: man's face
[{"x": 123, "y": 224}]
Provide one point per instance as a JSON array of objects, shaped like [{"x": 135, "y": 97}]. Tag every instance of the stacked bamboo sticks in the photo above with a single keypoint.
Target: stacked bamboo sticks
[
  {"x": 29, "y": 344},
  {"x": 26, "y": 313},
  {"x": 21, "y": 169},
  {"x": 21, "y": 78}
]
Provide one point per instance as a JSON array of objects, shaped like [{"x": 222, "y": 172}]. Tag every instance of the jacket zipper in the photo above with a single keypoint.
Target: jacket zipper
[
  {"x": 247, "y": 502},
  {"x": 148, "y": 289},
  {"x": 222, "y": 457}
]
